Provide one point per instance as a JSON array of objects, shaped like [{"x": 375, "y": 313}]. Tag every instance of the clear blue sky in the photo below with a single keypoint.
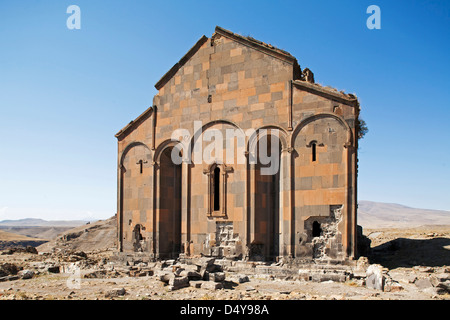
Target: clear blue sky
[{"x": 65, "y": 93}]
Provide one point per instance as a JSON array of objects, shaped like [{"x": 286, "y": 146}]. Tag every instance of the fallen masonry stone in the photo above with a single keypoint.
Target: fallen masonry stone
[
  {"x": 196, "y": 283},
  {"x": 403, "y": 277},
  {"x": 26, "y": 274},
  {"x": 204, "y": 262},
  {"x": 178, "y": 271},
  {"x": 375, "y": 278},
  {"x": 242, "y": 279},
  {"x": 115, "y": 292},
  {"x": 178, "y": 283},
  {"x": 423, "y": 284},
  {"x": 217, "y": 276},
  {"x": 192, "y": 275},
  {"x": 9, "y": 278},
  {"x": 167, "y": 263},
  {"x": 393, "y": 287},
  {"x": 445, "y": 286},
  {"x": 101, "y": 274},
  {"x": 166, "y": 277},
  {"x": 141, "y": 272},
  {"x": 210, "y": 285},
  {"x": 440, "y": 277}
]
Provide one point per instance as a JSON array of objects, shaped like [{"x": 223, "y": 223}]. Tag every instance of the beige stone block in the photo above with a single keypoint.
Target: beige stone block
[
  {"x": 275, "y": 87},
  {"x": 217, "y": 105},
  {"x": 188, "y": 69},
  {"x": 235, "y": 52},
  {"x": 257, "y": 106},
  {"x": 246, "y": 84},
  {"x": 247, "y": 92},
  {"x": 221, "y": 87},
  {"x": 229, "y": 95},
  {"x": 241, "y": 100},
  {"x": 257, "y": 123},
  {"x": 265, "y": 97},
  {"x": 237, "y": 117}
]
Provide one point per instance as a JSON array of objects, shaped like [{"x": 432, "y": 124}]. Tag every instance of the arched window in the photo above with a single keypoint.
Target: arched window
[
  {"x": 217, "y": 180},
  {"x": 314, "y": 151}
]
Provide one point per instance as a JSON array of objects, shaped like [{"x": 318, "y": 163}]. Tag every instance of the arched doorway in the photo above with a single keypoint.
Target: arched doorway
[
  {"x": 266, "y": 243},
  {"x": 170, "y": 206}
]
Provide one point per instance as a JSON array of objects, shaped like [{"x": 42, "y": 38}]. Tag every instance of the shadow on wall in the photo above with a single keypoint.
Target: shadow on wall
[{"x": 402, "y": 252}]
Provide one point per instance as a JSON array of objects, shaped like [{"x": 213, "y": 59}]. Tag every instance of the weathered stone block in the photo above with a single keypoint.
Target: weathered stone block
[
  {"x": 217, "y": 276},
  {"x": 178, "y": 282}
]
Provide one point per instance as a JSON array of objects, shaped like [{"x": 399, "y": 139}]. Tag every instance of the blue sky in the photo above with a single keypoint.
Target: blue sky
[{"x": 65, "y": 93}]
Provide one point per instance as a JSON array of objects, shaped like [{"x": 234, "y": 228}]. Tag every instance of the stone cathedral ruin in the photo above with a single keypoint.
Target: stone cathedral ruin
[{"x": 171, "y": 205}]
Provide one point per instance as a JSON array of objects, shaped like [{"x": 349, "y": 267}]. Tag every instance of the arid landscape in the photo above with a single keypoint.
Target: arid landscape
[{"x": 409, "y": 258}]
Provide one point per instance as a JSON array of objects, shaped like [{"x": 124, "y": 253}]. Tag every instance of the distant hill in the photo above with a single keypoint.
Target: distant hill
[
  {"x": 39, "y": 228},
  {"x": 11, "y": 240},
  {"x": 8, "y": 236},
  {"x": 32, "y": 222},
  {"x": 391, "y": 215},
  {"x": 99, "y": 235},
  {"x": 76, "y": 234}
]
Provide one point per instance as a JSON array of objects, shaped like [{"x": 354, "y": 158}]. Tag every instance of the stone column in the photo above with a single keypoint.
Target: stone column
[
  {"x": 156, "y": 206},
  {"x": 185, "y": 195},
  {"x": 252, "y": 193},
  {"x": 120, "y": 208}
]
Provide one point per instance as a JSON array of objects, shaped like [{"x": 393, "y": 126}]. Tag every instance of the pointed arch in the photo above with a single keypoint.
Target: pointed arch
[
  {"x": 169, "y": 143},
  {"x": 259, "y": 133},
  {"x": 206, "y": 126},
  {"x": 129, "y": 147}
]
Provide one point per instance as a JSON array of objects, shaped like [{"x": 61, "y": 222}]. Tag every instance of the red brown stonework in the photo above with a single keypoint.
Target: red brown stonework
[{"x": 305, "y": 211}]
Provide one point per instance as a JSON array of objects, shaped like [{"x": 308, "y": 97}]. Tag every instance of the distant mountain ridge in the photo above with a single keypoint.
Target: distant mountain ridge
[
  {"x": 370, "y": 215},
  {"x": 34, "y": 222},
  {"x": 392, "y": 215}
]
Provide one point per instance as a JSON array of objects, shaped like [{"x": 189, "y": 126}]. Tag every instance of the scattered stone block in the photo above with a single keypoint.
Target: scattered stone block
[
  {"x": 116, "y": 292},
  {"x": 178, "y": 283},
  {"x": 196, "y": 283},
  {"x": 423, "y": 284},
  {"x": 26, "y": 274},
  {"x": 374, "y": 277},
  {"x": 192, "y": 275},
  {"x": 217, "y": 276},
  {"x": 242, "y": 279},
  {"x": 211, "y": 285}
]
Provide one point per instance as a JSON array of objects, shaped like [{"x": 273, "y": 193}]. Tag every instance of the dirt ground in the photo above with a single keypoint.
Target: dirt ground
[{"x": 411, "y": 257}]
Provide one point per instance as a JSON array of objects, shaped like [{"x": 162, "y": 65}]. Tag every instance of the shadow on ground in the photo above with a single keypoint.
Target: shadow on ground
[{"x": 403, "y": 252}]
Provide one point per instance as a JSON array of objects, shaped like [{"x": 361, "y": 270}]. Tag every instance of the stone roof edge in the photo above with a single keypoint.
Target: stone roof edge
[
  {"x": 328, "y": 92},
  {"x": 169, "y": 74},
  {"x": 258, "y": 45},
  {"x": 134, "y": 122}
]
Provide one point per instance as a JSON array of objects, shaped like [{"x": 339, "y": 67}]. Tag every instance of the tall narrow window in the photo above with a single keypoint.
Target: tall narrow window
[
  {"x": 314, "y": 150},
  {"x": 217, "y": 189}
]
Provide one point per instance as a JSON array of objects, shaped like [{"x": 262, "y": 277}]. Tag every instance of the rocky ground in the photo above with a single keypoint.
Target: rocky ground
[{"x": 404, "y": 264}]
